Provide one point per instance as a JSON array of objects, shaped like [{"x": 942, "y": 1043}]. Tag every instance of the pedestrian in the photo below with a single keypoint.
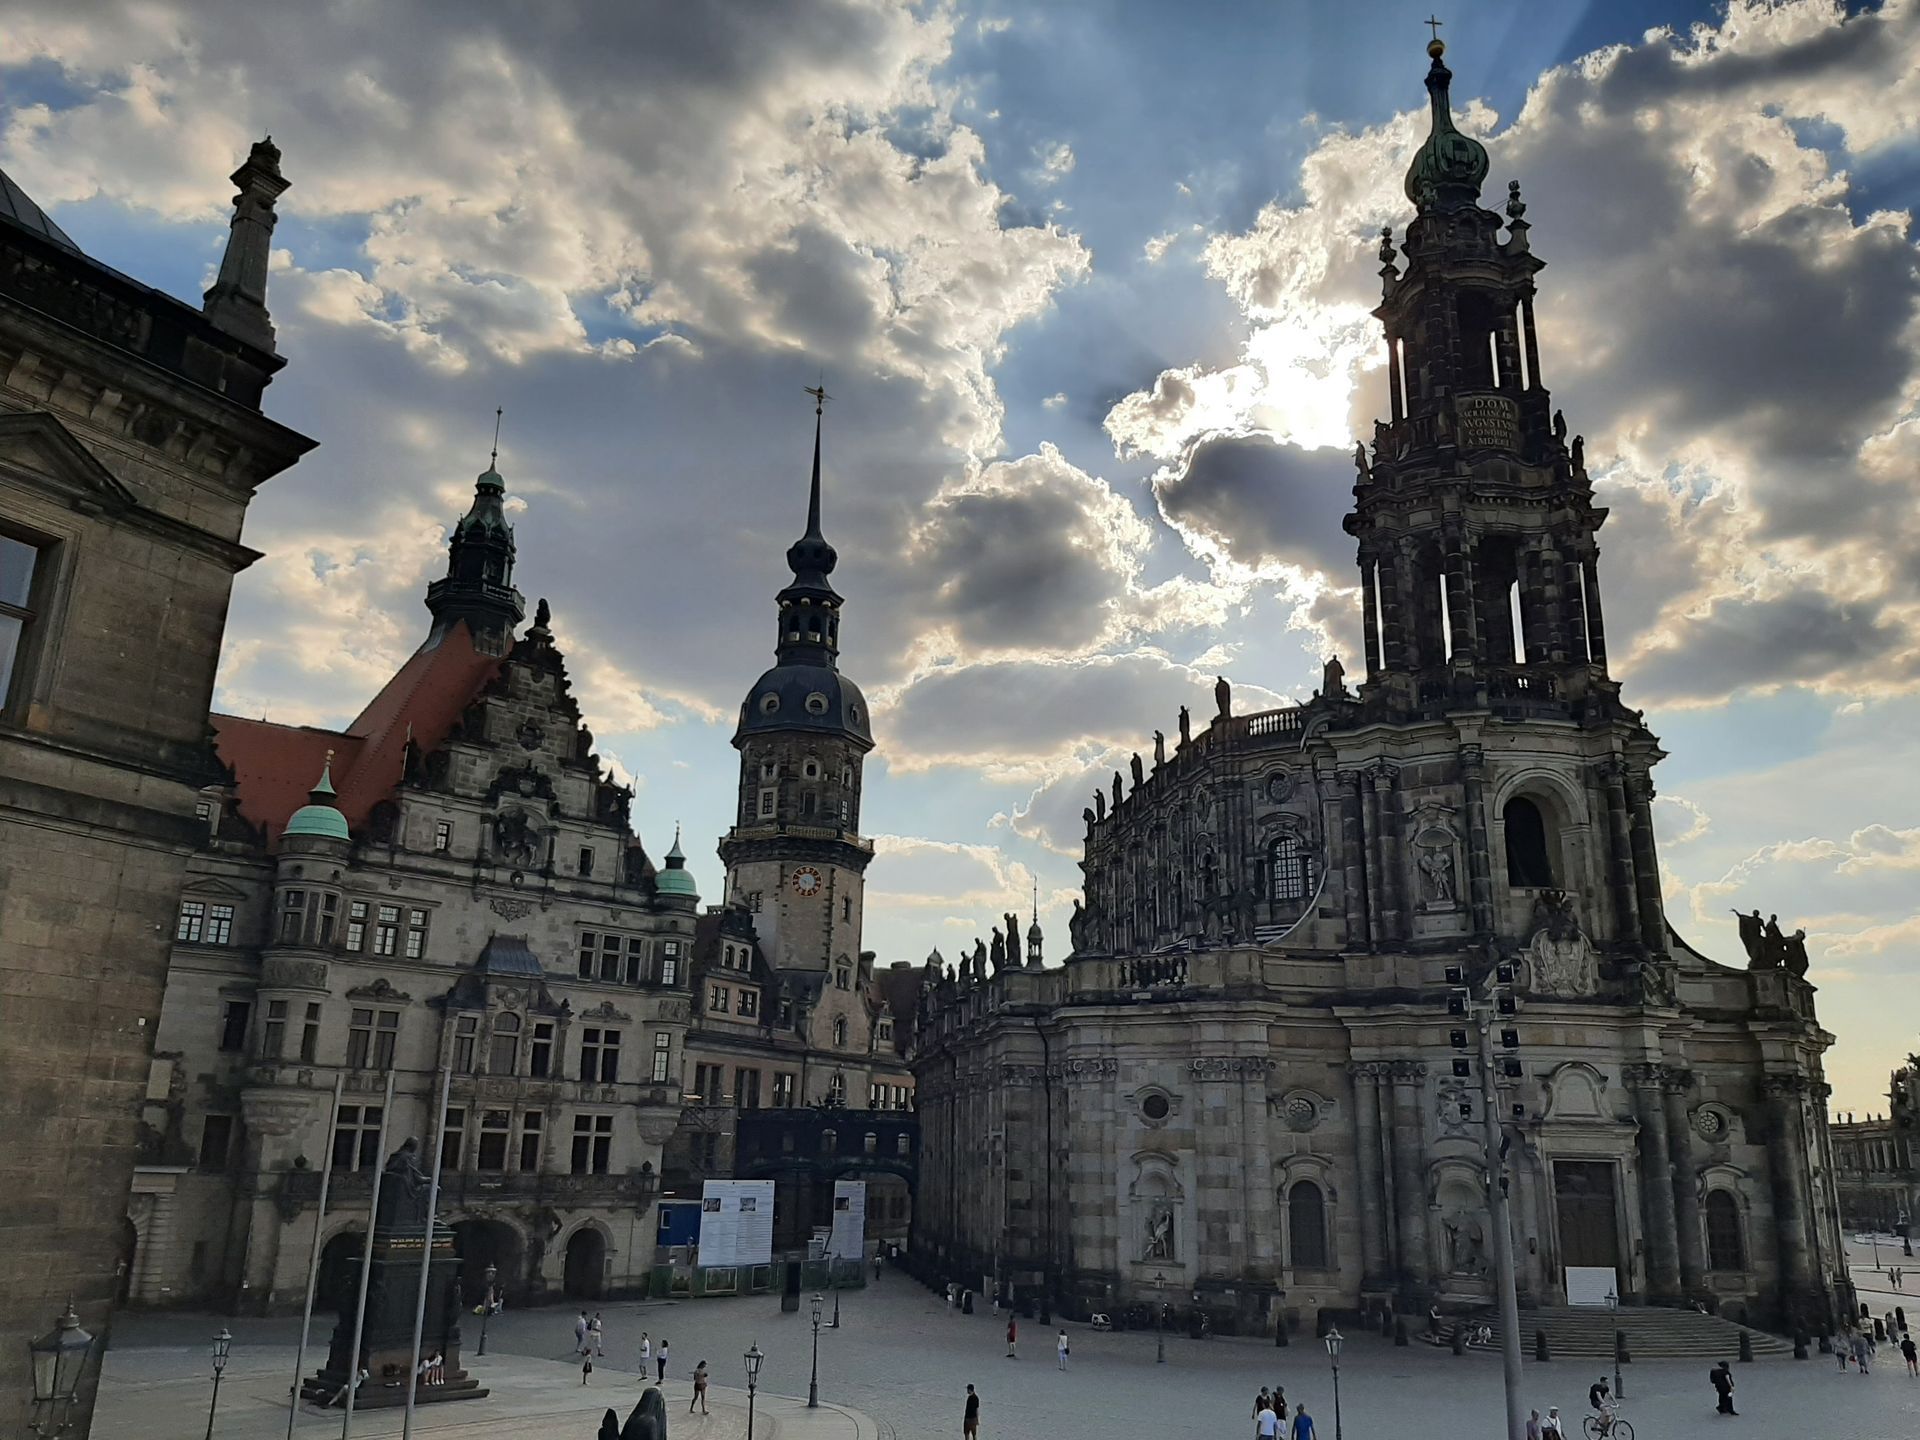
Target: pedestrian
[
  {"x": 1280, "y": 1403},
  {"x": 1266, "y": 1425},
  {"x": 996, "y": 1302},
  {"x": 646, "y": 1356},
  {"x": 699, "y": 1388},
  {"x": 1063, "y": 1349},
  {"x": 1722, "y": 1377},
  {"x": 970, "y": 1422},
  {"x": 660, "y": 1359},
  {"x": 1913, "y": 1356},
  {"x": 1302, "y": 1424},
  {"x": 1533, "y": 1425},
  {"x": 1862, "y": 1351},
  {"x": 596, "y": 1332},
  {"x": 1013, "y": 1334},
  {"x": 1550, "y": 1428},
  {"x": 1260, "y": 1402},
  {"x": 580, "y": 1334},
  {"x": 586, "y": 1368}
]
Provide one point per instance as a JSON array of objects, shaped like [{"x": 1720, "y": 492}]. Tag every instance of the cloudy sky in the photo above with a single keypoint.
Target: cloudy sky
[{"x": 1090, "y": 284}]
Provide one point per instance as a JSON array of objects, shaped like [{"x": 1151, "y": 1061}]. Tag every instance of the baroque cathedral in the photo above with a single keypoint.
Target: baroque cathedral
[{"x": 1245, "y": 1085}]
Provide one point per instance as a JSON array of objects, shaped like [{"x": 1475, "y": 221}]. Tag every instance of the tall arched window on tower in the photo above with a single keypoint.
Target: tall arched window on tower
[
  {"x": 1726, "y": 1249},
  {"x": 1307, "y": 1226},
  {"x": 1289, "y": 875},
  {"x": 1529, "y": 857}
]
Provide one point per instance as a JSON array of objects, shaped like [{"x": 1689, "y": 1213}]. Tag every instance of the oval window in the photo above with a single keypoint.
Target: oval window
[
  {"x": 769, "y": 703},
  {"x": 1154, "y": 1107},
  {"x": 816, "y": 704}
]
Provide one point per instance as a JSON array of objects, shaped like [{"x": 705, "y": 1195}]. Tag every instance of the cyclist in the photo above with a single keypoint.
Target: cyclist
[{"x": 1600, "y": 1397}]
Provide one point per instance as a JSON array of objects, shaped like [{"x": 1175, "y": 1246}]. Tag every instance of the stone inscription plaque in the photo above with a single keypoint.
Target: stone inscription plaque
[{"x": 1488, "y": 422}]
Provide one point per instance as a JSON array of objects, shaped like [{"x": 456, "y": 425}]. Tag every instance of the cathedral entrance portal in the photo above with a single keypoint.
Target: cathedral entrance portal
[{"x": 1584, "y": 1205}]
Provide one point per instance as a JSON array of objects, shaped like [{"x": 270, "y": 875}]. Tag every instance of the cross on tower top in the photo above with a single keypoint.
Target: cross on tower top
[{"x": 1434, "y": 25}]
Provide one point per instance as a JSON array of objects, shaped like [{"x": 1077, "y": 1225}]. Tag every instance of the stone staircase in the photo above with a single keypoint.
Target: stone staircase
[{"x": 1653, "y": 1333}]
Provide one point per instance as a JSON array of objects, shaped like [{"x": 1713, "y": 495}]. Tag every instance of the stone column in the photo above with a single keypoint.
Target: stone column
[
  {"x": 1686, "y": 1184},
  {"x": 1533, "y": 343},
  {"x": 1383, "y": 820},
  {"x": 1376, "y": 860},
  {"x": 1613, "y": 775},
  {"x": 1370, "y": 611},
  {"x": 1596, "y": 627},
  {"x": 1479, "y": 875},
  {"x": 1787, "y": 1160},
  {"x": 1656, "y": 1182},
  {"x": 1533, "y": 605},
  {"x": 1393, "y": 611},
  {"x": 1261, "y": 1256},
  {"x": 1352, "y": 856},
  {"x": 1372, "y": 1200},
  {"x": 1460, "y": 607},
  {"x": 1646, "y": 865},
  {"x": 1553, "y": 592},
  {"x": 1410, "y": 1174}
]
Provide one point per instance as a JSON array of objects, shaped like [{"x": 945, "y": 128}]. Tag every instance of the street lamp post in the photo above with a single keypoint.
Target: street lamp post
[
  {"x": 1159, "y": 1320},
  {"x": 486, "y": 1304},
  {"x": 59, "y": 1360},
  {"x": 1613, "y": 1310},
  {"x": 222, "y": 1343},
  {"x": 753, "y": 1359},
  {"x": 813, "y": 1380},
  {"x": 1334, "y": 1342}
]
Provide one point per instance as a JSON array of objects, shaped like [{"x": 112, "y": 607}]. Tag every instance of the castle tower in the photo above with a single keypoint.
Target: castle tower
[
  {"x": 478, "y": 585},
  {"x": 794, "y": 855}
]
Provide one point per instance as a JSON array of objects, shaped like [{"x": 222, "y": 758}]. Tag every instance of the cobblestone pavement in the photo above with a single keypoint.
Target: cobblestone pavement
[{"x": 904, "y": 1358}]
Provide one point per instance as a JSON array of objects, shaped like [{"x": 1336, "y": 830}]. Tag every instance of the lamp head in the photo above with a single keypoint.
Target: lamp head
[{"x": 222, "y": 1344}]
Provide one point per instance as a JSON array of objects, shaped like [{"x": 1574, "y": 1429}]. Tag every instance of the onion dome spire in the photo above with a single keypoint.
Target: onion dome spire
[{"x": 1447, "y": 170}]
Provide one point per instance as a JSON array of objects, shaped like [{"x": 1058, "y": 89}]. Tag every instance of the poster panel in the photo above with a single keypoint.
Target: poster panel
[
  {"x": 849, "y": 1236},
  {"x": 736, "y": 1222}
]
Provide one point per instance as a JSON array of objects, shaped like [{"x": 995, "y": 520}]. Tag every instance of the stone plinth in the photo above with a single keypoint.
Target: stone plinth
[{"x": 386, "y": 1342}]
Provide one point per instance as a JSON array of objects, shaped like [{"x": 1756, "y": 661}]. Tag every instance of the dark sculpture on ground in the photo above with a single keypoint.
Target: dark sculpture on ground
[{"x": 646, "y": 1421}]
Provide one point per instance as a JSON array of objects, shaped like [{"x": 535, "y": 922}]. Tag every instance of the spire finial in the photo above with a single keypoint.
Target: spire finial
[
  {"x": 493, "y": 459},
  {"x": 820, "y": 398},
  {"x": 1436, "y": 47}
]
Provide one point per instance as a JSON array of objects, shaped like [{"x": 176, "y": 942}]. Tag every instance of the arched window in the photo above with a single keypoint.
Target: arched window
[
  {"x": 829, "y": 1142},
  {"x": 1307, "y": 1226},
  {"x": 1288, "y": 872},
  {"x": 1725, "y": 1248},
  {"x": 1529, "y": 860},
  {"x": 872, "y": 1143},
  {"x": 840, "y": 1031},
  {"x": 506, "y": 1045},
  {"x": 837, "y": 1089},
  {"x": 1209, "y": 876}
]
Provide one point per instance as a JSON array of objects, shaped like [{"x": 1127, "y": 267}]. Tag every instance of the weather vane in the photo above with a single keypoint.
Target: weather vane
[
  {"x": 494, "y": 459},
  {"x": 819, "y": 394}
]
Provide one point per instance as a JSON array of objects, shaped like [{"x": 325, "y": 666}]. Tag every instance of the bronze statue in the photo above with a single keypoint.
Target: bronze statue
[
  {"x": 1796, "y": 953},
  {"x": 1223, "y": 696},
  {"x": 1333, "y": 678},
  {"x": 403, "y": 1192},
  {"x": 1751, "y": 937}
]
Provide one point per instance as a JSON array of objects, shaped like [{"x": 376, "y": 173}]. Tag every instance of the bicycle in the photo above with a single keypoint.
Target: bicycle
[{"x": 1606, "y": 1427}]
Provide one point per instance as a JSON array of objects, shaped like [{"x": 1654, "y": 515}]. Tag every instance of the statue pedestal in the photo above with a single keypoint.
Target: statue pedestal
[{"x": 386, "y": 1342}]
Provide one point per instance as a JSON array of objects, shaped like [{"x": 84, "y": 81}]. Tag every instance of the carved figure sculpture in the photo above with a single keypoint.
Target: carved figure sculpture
[
  {"x": 1436, "y": 876},
  {"x": 403, "y": 1192},
  {"x": 997, "y": 956},
  {"x": 1796, "y": 952},
  {"x": 515, "y": 837},
  {"x": 646, "y": 1421},
  {"x": 1752, "y": 938},
  {"x": 1223, "y": 696},
  {"x": 1159, "y": 1244},
  {"x": 1139, "y": 771},
  {"x": 1077, "y": 927},
  {"x": 1186, "y": 726},
  {"x": 1159, "y": 749},
  {"x": 1333, "y": 678}
]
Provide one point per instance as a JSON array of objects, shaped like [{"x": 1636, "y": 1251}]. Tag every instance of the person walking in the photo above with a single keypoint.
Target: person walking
[
  {"x": 970, "y": 1422},
  {"x": 1013, "y": 1334},
  {"x": 1843, "y": 1348},
  {"x": 1062, "y": 1348},
  {"x": 1280, "y": 1403},
  {"x": 1862, "y": 1351},
  {"x": 1722, "y": 1377},
  {"x": 586, "y": 1367},
  {"x": 1302, "y": 1424},
  {"x": 660, "y": 1359},
  {"x": 1550, "y": 1428},
  {"x": 596, "y": 1332},
  {"x": 699, "y": 1388},
  {"x": 1260, "y": 1402},
  {"x": 1266, "y": 1425},
  {"x": 646, "y": 1356},
  {"x": 1912, "y": 1355},
  {"x": 1533, "y": 1425},
  {"x": 580, "y": 1334}
]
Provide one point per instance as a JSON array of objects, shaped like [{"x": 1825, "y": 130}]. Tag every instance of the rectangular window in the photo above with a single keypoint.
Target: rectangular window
[
  {"x": 386, "y": 934},
  {"x": 600, "y": 1055},
  {"x": 609, "y": 957},
  {"x": 216, "y": 1138},
  {"x": 370, "y": 1038},
  {"x": 875, "y": 1091},
  {"x": 670, "y": 963},
  {"x": 636, "y": 960},
  {"x": 416, "y": 934},
  {"x": 586, "y": 860},
  {"x": 717, "y": 999},
  {"x": 662, "y": 1056},
  {"x": 233, "y": 1025},
  {"x": 456, "y": 1134},
  {"x": 293, "y": 914},
  {"x": 273, "y": 1037},
  {"x": 310, "y": 1033},
  {"x": 749, "y": 1004},
  {"x": 327, "y": 912},
  {"x": 220, "y": 925},
  {"x": 442, "y": 836},
  {"x": 766, "y": 803},
  {"x": 540, "y": 1054},
  {"x": 492, "y": 1153},
  {"x": 357, "y": 925},
  {"x": 356, "y": 1138},
  {"x": 530, "y": 1141},
  {"x": 466, "y": 1030},
  {"x": 783, "y": 1090},
  {"x": 191, "y": 923},
  {"x": 19, "y": 562},
  {"x": 589, "y": 953},
  {"x": 592, "y": 1144},
  {"x": 504, "y": 1053},
  {"x": 746, "y": 1088}
]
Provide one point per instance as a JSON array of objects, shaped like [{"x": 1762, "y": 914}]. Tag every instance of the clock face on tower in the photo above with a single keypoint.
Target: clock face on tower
[{"x": 806, "y": 881}]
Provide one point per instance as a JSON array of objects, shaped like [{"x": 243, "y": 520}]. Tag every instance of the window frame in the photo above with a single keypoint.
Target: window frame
[{"x": 17, "y": 679}]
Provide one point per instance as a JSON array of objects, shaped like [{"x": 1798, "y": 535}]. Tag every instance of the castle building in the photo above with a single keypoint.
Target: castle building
[
  {"x": 449, "y": 881},
  {"x": 1245, "y": 1086},
  {"x": 132, "y": 438},
  {"x": 789, "y": 1014},
  {"x": 1878, "y": 1161}
]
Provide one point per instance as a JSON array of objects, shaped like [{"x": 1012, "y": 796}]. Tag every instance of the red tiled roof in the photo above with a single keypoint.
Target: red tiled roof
[{"x": 275, "y": 765}]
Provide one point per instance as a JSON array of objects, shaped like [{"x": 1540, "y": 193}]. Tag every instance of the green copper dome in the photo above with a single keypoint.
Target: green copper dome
[
  {"x": 1448, "y": 168},
  {"x": 674, "y": 879},
  {"x": 320, "y": 816}
]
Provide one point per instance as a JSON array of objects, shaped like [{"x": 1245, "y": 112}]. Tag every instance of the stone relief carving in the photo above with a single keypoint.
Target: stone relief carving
[
  {"x": 1159, "y": 1234},
  {"x": 380, "y": 989},
  {"x": 1559, "y": 957},
  {"x": 605, "y": 1011},
  {"x": 1436, "y": 876},
  {"x": 516, "y": 837},
  {"x": 278, "y": 974},
  {"x": 1230, "y": 1067},
  {"x": 511, "y": 909}
]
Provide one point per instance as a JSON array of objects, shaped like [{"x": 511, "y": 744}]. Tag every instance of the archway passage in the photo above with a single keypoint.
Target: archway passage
[
  {"x": 586, "y": 1264},
  {"x": 336, "y": 1287},
  {"x": 1529, "y": 854},
  {"x": 480, "y": 1243}
]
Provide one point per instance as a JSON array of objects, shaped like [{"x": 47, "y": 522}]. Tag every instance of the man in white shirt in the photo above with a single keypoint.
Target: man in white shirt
[{"x": 1266, "y": 1425}]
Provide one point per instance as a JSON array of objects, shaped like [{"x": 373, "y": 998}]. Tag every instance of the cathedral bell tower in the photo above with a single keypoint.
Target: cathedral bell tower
[
  {"x": 794, "y": 856},
  {"x": 1475, "y": 519}
]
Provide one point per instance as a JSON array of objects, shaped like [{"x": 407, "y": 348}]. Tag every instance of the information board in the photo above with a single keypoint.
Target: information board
[
  {"x": 848, "y": 1240},
  {"x": 736, "y": 1222}
]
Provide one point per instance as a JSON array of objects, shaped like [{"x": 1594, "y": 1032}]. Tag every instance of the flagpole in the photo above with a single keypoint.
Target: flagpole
[
  {"x": 366, "y": 1263},
  {"x": 313, "y": 1260},
  {"x": 426, "y": 1250}
]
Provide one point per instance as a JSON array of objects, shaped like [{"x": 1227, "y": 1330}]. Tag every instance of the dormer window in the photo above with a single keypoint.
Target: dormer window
[
  {"x": 770, "y": 702},
  {"x": 816, "y": 704},
  {"x": 811, "y": 770}
]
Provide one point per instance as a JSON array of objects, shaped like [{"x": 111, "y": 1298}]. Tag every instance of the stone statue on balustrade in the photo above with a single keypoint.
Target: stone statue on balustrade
[{"x": 1767, "y": 948}]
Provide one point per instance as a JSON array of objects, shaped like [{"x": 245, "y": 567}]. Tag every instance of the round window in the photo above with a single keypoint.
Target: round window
[
  {"x": 769, "y": 703},
  {"x": 816, "y": 704},
  {"x": 1154, "y": 1106}
]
